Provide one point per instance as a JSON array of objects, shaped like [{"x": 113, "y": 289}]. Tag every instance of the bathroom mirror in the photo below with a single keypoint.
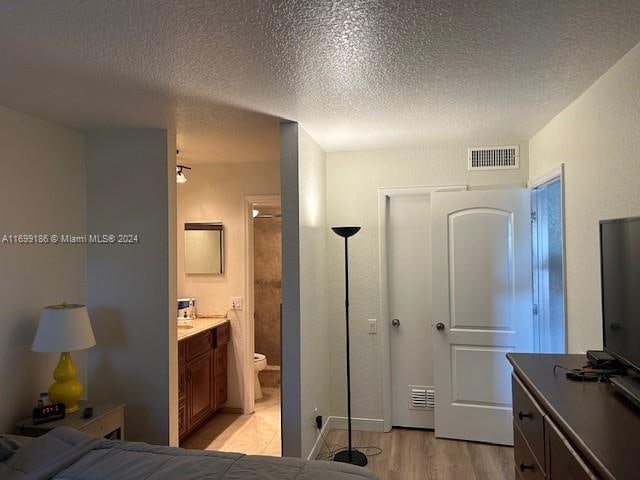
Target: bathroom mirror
[{"x": 203, "y": 246}]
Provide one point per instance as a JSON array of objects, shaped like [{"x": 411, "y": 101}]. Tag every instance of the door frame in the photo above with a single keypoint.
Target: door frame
[
  {"x": 384, "y": 195},
  {"x": 558, "y": 173},
  {"x": 248, "y": 204}
]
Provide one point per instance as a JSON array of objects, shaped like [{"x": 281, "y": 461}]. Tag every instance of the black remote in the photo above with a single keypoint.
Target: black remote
[{"x": 88, "y": 412}]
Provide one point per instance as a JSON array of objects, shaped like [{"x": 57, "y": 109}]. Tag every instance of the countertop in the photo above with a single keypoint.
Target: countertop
[{"x": 200, "y": 325}]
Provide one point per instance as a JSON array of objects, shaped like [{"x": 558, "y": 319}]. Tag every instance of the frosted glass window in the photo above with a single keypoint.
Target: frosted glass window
[
  {"x": 548, "y": 270},
  {"x": 203, "y": 247}
]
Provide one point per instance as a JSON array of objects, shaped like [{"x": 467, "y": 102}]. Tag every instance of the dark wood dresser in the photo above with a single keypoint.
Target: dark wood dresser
[
  {"x": 202, "y": 379},
  {"x": 565, "y": 430}
]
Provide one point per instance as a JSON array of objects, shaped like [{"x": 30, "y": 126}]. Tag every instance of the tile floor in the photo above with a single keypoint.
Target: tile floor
[{"x": 257, "y": 434}]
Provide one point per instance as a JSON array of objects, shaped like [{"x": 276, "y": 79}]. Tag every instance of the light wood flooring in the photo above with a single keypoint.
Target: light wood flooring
[
  {"x": 406, "y": 454},
  {"x": 417, "y": 454}
]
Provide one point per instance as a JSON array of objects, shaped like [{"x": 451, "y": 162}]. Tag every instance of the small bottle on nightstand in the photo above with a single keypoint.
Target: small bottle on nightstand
[{"x": 43, "y": 399}]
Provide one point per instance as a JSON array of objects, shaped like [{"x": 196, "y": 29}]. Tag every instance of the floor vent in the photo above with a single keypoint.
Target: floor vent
[
  {"x": 494, "y": 158},
  {"x": 421, "y": 398}
]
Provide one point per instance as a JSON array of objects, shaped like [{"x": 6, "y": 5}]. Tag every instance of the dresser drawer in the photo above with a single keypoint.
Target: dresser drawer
[
  {"x": 564, "y": 463},
  {"x": 527, "y": 467},
  {"x": 529, "y": 418},
  {"x": 198, "y": 345},
  {"x": 223, "y": 334}
]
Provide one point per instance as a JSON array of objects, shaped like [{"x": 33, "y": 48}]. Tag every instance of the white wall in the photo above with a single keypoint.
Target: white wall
[
  {"x": 597, "y": 139},
  {"x": 314, "y": 323},
  {"x": 42, "y": 190},
  {"x": 129, "y": 287},
  {"x": 214, "y": 193},
  {"x": 352, "y": 182}
]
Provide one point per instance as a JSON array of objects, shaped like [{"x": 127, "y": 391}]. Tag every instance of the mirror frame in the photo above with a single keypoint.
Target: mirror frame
[{"x": 216, "y": 226}]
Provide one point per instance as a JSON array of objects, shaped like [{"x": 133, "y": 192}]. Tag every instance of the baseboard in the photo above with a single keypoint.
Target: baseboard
[
  {"x": 340, "y": 423},
  {"x": 361, "y": 424},
  {"x": 234, "y": 410},
  {"x": 317, "y": 446}
]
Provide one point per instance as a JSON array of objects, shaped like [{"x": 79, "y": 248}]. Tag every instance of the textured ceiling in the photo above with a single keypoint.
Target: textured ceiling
[{"x": 355, "y": 74}]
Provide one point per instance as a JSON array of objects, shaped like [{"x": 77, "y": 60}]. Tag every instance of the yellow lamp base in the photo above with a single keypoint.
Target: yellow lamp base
[{"x": 67, "y": 389}]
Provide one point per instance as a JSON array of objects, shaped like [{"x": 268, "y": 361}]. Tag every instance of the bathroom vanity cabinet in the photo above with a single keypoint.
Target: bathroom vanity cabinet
[{"x": 202, "y": 381}]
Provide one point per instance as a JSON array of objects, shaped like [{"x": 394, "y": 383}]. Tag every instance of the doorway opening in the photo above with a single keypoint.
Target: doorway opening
[
  {"x": 267, "y": 306},
  {"x": 547, "y": 233}
]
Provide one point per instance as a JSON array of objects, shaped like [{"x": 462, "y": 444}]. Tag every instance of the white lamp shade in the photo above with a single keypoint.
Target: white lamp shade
[{"x": 63, "y": 328}]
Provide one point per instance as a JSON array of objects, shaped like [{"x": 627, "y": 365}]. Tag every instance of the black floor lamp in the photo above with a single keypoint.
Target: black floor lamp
[{"x": 350, "y": 455}]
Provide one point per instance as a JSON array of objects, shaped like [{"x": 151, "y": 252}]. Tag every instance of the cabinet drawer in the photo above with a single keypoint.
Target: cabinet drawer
[
  {"x": 182, "y": 352},
  {"x": 529, "y": 418},
  {"x": 223, "y": 334},
  {"x": 198, "y": 345},
  {"x": 221, "y": 391},
  {"x": 527, "y": 467},
  {"x": 220, "y": 366},
  {"x": 563, "y": 461},
  {"x": 106, "y": 425}
]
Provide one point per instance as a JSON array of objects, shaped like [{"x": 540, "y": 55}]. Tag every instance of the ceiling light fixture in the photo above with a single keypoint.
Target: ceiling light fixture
[{"x": 180, "y": 176}]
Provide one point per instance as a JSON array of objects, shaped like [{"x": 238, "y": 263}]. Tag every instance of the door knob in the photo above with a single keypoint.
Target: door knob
[
  {"x": 395, "y": 323},
  {"x": 440, "y": 326}
]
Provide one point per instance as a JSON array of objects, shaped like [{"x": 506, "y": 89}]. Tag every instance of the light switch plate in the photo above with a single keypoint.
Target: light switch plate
[
  {"x": 236, "y": 303},
  {"x": 373, "y": 326}
]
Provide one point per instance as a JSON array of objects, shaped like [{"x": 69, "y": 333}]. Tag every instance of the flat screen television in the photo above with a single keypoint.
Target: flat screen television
[{"x": 620, "y": 270}]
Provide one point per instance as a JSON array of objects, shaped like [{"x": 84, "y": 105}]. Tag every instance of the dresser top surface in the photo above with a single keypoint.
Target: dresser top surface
[{"x": 601, "y": 424}]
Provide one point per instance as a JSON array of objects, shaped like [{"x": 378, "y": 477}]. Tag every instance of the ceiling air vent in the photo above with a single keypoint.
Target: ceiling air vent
[
  {"x": 494, "y": 158},
  {"x": 421, "y": 398}
]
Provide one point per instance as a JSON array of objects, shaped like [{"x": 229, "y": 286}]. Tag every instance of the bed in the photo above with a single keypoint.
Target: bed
[{"x": 66, "y": 454}]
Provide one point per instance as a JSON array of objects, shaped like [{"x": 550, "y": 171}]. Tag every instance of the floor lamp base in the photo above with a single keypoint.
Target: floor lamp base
[{"x": 354, "y": 457}]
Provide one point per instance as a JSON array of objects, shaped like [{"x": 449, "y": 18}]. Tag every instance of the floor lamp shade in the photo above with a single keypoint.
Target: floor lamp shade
[
  {"x": 64, "y": 329},
  {"x": 348, "y": 455}
]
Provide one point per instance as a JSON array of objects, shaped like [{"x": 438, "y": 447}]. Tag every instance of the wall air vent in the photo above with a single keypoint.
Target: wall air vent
[
  {"x": 421, "y": 398},
  {"x": 494, "y": 158}
]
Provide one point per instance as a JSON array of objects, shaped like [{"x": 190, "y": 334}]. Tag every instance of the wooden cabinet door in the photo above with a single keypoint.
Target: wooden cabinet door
[
  {"x": 182, "y": 420},
  {"x": 200, "y": 389}
]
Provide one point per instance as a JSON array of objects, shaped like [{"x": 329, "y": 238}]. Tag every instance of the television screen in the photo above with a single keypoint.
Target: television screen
[{"x": 620, "y": 263}]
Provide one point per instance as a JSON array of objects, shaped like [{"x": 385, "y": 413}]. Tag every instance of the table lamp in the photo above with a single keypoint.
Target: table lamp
[{"x": 64, "y": 328}]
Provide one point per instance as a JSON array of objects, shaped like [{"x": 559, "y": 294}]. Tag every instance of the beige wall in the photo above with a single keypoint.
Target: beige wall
[
  {"x": 214, "y": 193},
  {"x": 42, "y": 190},
  {"x": 314, "y": 322},
  {"x": 597, "y": 139},
  {"x": 352, "y": 182}
]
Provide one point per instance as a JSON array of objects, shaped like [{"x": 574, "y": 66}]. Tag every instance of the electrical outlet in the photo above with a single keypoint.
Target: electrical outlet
[
  {"x": 373, "y": 326},
  {"x": 236, "y": 303}
]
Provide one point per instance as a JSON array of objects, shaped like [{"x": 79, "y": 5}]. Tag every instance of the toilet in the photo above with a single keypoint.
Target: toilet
[{"x": 259, "y": 364}]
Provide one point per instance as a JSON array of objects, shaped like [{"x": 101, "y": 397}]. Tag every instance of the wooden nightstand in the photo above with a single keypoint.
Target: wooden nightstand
[{"x": 107, "y": 422}]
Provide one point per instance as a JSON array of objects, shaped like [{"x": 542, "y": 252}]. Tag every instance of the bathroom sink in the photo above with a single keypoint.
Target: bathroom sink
[{"x": 185, "y": 324}]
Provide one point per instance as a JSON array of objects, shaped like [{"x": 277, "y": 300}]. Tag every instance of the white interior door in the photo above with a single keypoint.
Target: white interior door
[
  {"x": 482, "y": 308},
  {"x": 411, "y": 336}
]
